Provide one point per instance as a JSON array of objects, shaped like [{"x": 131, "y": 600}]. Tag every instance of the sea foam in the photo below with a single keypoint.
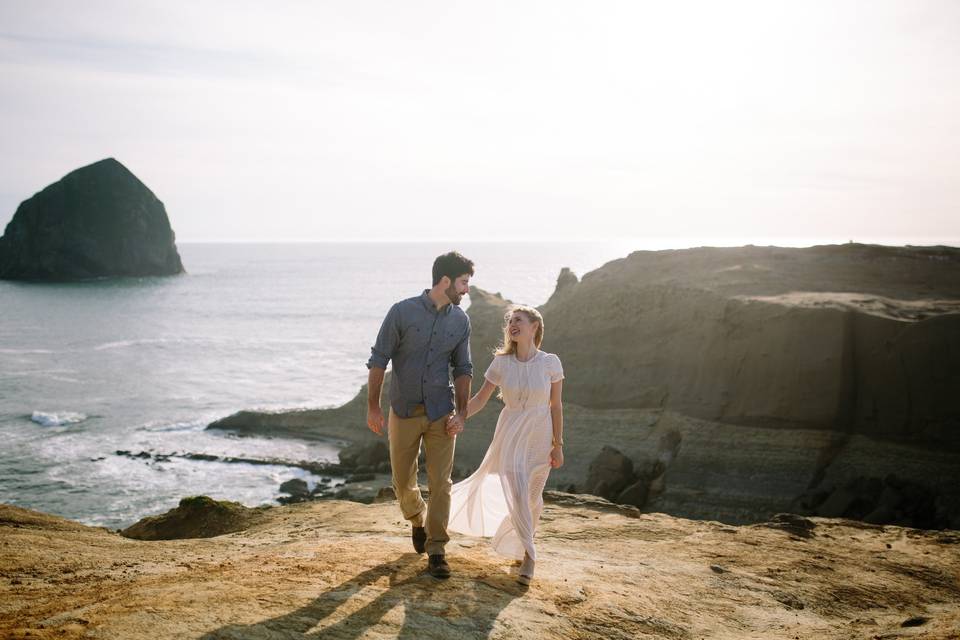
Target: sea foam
[{"x": 57, "y": 419}]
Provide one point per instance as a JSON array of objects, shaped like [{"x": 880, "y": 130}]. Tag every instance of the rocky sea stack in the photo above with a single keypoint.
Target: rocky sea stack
[{"x": 97, "y": 221}]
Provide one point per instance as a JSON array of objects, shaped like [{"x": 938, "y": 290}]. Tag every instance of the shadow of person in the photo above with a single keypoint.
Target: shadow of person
[{"x": 413, "y": 602}]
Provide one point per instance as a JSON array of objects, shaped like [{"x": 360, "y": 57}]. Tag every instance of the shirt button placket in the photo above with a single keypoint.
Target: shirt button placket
[{"x": 426, "y": 364}]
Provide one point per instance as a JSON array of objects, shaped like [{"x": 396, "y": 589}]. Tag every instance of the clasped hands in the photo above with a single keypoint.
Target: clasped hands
[{"x": 454, "y": 424}]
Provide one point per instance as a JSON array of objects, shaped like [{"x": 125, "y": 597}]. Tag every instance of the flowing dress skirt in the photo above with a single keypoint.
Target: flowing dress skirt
[{"x": 503, "y": 498}]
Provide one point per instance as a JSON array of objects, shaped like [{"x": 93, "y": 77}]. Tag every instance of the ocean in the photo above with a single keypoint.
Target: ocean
[{"x": 144, "y": 364}]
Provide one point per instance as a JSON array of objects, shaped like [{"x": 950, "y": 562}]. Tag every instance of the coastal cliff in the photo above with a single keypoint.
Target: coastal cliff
[
  {"x": 740, "y": 382},
  {"x": 338, "y": 569},
  {"x": 849, "y": 338}
]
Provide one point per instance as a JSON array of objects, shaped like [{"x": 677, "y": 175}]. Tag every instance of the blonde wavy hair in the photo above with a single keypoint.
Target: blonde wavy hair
[{"x": 509, "y": 346}]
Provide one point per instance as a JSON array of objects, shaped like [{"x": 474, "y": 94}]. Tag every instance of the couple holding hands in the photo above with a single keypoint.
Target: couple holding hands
[{"x": 428, "y": 339}]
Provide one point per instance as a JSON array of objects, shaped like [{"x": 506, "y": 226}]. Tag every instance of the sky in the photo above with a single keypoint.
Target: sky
[{"x": 488, "y": 120}]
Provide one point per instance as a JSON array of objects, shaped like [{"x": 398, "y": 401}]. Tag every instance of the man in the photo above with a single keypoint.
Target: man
[{"x": 425, "y": 336}]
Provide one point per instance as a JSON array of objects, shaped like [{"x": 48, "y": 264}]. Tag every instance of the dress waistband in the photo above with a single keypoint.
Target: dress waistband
[{"x": 532, "y": 407}]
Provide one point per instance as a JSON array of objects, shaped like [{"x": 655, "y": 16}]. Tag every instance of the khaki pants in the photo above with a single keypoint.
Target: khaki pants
[{"x": 405, "y": 435}]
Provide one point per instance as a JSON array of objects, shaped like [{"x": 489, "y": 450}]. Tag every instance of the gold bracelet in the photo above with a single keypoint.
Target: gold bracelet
[{"x": 556, "y": 443}]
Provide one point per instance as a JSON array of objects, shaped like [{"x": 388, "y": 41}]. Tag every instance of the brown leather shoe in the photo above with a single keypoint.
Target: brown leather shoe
[
  {"x": 438, "y": 567},
  {"x": 419, "y": 536}
]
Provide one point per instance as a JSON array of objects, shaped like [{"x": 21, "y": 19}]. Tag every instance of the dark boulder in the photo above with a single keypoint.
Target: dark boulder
[
  {"x": 890, "y": 500},
  {"x": 385, "y": 494},
  {"x": 609, "y": 474},
  {"x": 195, "y": 517},
  {"x": 650, "y": 469},
  {"x": 635, "y": 494},
  {"x": 296, "y": 487},
  {"x": 365, "y": 454},
  {"x": 97, "y": 221},
  {"x": 791, "y": 523}
]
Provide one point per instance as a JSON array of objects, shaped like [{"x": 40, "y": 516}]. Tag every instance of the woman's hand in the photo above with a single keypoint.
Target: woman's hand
[{"x": 556, "y": 457}]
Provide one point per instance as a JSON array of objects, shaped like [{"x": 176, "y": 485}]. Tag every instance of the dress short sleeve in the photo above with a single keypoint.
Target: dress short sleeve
[
  {"x": 494, "y": 372},
  {"x": 554, "y": 368}
]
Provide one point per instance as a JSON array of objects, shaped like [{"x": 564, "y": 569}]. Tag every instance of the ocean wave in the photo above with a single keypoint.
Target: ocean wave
[
  {"x": 65, "y": 379},
  {"x": 120, "y": 344},
  {"x": 183, "y": 340},
  {"x": 57, "y": 419},
  {"x": 162, "y": 425},
  {"x": 26, "y": 351}
]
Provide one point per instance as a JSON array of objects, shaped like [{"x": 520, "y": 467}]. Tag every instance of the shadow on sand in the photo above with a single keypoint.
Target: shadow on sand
[{"x": 413, "y": 603}]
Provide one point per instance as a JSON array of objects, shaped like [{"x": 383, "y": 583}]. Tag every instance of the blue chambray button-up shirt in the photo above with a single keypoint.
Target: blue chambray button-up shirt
[{"x": 429, "y": 349}]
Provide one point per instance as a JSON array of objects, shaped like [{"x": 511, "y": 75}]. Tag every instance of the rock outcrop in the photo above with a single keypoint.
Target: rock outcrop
[
  {"x": 296, "y": 488},
  {"x": 739, "y": 382},
  {"x": 345, "y": 570},
  {"x": 614, "y": 476},
  {"x": 195, "y": 517},
  {"x": 366, "y": 457},
  {"x": 850, "y": 338},
  {"x": 610, "y": 473},
  {"x": 565, "y": 282},
  {"x": 97, "y": 221}
]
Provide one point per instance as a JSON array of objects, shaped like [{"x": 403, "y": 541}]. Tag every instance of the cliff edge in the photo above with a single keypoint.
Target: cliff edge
[{"x": 345, "y": 570}]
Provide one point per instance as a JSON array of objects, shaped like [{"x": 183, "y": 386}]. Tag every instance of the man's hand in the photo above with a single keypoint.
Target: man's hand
[
  {"x": 375, "y": 420},
  {"x": 455, "y": 424}
]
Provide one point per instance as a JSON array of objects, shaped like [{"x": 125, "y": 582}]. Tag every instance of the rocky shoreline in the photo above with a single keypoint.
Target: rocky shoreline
[
  {"x": 738, "y": 383},
  {"x": 749, "y": 454}
]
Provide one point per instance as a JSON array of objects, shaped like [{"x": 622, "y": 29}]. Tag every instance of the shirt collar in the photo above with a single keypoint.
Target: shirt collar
[{"x": 428, "y": 303}]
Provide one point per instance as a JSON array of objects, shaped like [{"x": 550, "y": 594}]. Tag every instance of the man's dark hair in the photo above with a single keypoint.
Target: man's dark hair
[{"x": 453, "y": 265}]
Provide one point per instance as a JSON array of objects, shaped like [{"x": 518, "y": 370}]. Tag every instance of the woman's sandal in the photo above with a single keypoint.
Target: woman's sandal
[{"x": 526, "y": 570}]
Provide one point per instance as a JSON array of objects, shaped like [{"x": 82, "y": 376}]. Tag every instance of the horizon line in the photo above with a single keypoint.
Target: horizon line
[{"x": 664, "y": 242}]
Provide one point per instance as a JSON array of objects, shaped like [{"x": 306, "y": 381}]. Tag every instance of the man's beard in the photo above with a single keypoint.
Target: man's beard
[{"x": 453, "y": 296}]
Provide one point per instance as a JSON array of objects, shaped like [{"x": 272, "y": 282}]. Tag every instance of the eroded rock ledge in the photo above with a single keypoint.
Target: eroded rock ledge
[
  {"x": 741, "y": 381},
  {"x": 341, "y": 569}
]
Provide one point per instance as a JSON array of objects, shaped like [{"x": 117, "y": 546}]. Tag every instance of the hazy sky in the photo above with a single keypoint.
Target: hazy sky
[{"x": 488, "y": 120}]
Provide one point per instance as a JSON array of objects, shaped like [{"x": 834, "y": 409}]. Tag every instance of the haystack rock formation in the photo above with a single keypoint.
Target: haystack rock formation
[{"x": 97, "y": 221}]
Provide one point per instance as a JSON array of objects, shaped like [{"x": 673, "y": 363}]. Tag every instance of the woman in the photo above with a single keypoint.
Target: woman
[{"x": 504, "y": 497}]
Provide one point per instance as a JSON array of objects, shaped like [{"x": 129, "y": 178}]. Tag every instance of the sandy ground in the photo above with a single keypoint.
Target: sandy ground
[{"x": 346, "y": 570}]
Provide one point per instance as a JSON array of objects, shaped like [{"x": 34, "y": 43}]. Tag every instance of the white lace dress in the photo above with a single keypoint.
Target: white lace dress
[{"x": 503, "y": 498}]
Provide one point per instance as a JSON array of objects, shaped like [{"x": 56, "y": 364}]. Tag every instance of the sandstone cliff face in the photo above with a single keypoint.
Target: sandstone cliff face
[
  {"x": 849, "y": 338},
  {"x": 486, "y": 329},
  {"x": 344, "y": 570},
  {"x": 99, "y": 220}
]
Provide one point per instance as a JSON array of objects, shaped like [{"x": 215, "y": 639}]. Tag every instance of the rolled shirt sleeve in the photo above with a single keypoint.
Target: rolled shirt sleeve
[
  {"x": 387, "y": 340},
  {"x": 460, "y": 357}
]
